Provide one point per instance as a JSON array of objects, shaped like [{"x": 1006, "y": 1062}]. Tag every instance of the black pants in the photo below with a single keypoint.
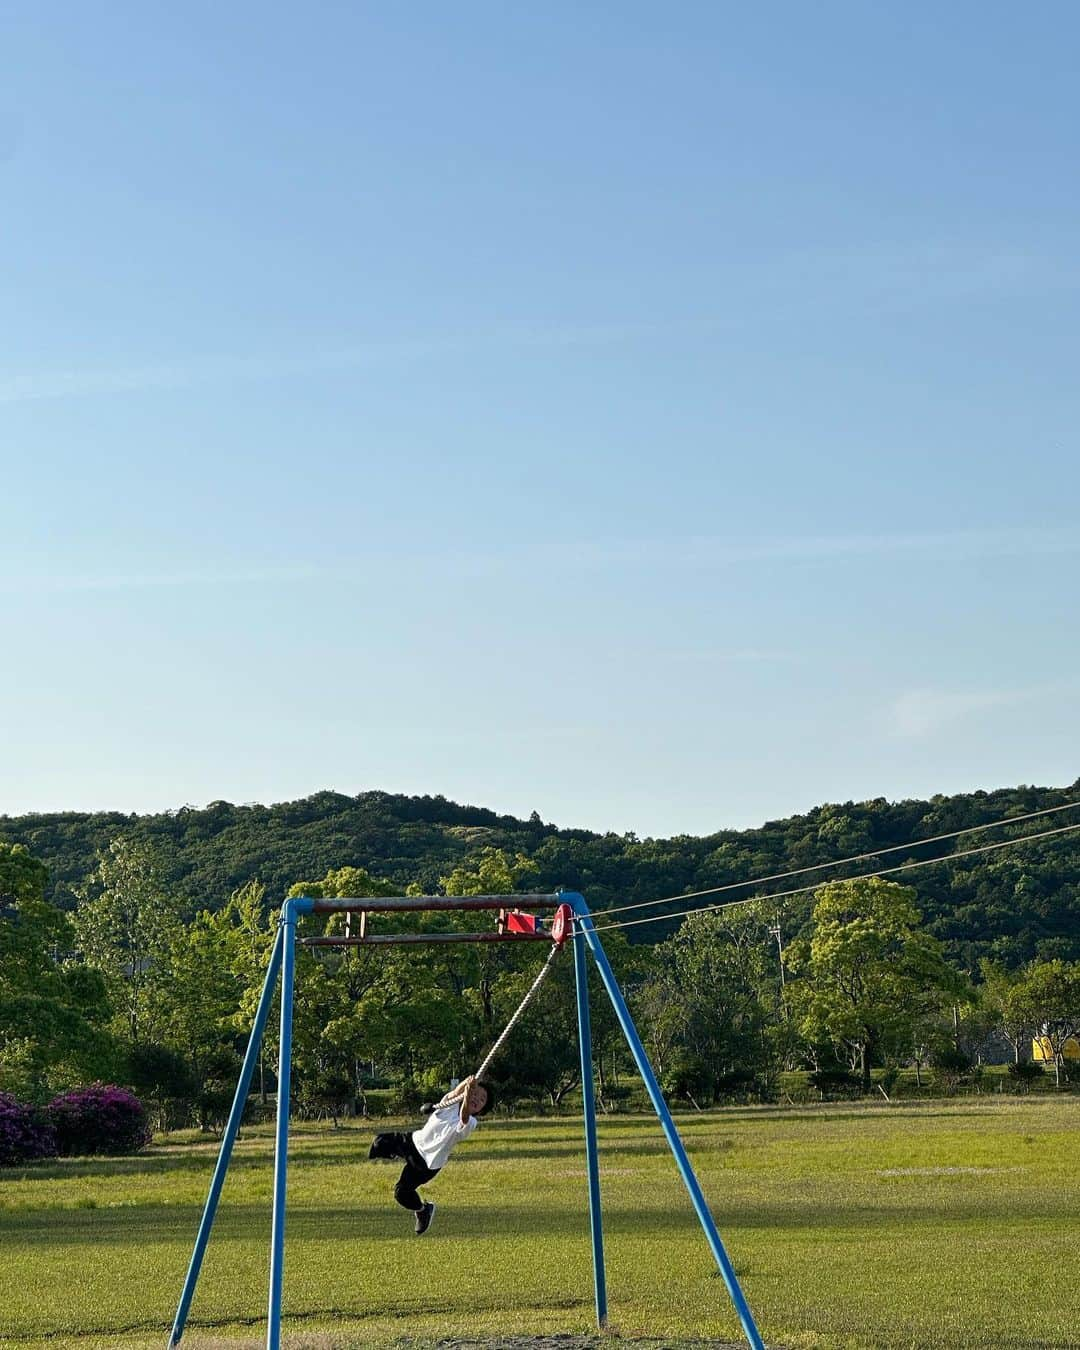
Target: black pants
[{"x": 416, "y": 1172}]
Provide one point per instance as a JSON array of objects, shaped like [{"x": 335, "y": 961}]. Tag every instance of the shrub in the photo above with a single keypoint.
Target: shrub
[
  {"x": 739, "y": 1086},
  {"x": 952, "y": 1067},
  {"x": 158, "y": 1071},
  {"x": 101, "y": 1118},
  {"x": 834, "y": 1083},
  {"x": 219, "y": 1070},
  {"x": 24, "y": 1135},
  {"x": 1024, "y": 1076},
  {"x": 21, "y": 1068},
  {"x": 326, "y": 1094},
  {"x": 165, "y": 1114},
  {"x": 407, "y": 1097},
  {"x": 688, "y": 1075},
  {"x": 164, "y": 1082}
]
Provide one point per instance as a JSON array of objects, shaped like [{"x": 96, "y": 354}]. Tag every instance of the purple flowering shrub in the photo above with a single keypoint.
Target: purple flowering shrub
[
  {"x": 24, "y": 1136},
  {"x": 101, "y": 1118}
]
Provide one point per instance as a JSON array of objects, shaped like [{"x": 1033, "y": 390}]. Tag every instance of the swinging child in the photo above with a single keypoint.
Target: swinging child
[{"x": 425, "y": 1151}]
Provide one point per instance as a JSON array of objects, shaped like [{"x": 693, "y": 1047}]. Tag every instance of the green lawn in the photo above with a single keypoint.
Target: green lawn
[{"x": 952, "y": 1223}]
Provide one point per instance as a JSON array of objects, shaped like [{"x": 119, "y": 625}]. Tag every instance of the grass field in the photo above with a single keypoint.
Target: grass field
[{"x": 930, "y": 1225}]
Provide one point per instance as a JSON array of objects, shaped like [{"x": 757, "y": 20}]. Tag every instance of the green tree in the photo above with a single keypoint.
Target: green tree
[
  {"x": 250, "y": 928},
  {"x": 708, "y": 1003},
  {"x": 22, "y": 877},
  {"x": 126, "y": 927},
  {"x": 52, "y": 1011},
  {"x": 196, "y": 1009},
  {"x": 358, "y": 1005},
  {"x": 341, "y": 882},
  {"x": 1002, "y": 995},
  {"x": 1048, "y": 996},
  {"x": 541, "y": 1059},
  {"x": 869, "y": 972},
  {"x": 491, "y": 872}
]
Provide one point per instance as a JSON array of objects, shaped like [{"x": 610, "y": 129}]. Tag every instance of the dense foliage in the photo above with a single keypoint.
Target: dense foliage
[
  {"x": 1011, "y": 906},
  {"x": 143, "y": 960}
]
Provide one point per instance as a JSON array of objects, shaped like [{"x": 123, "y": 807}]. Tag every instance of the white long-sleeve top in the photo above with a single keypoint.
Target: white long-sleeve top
[{"x": 441, "y": 1132}]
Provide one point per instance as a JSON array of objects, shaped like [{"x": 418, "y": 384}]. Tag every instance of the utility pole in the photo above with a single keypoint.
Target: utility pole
[{"x": 776, "y": 932}]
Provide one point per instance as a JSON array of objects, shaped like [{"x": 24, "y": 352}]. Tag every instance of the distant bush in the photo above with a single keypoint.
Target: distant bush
[
  {"x": 24, "y": 1134},
  {"x": 1024, "y": 1076},
  {"x": 688, "y": 1076},
  {"x": 219, "y": 1071},
  {"x": 952, "y": 1067},
  {"x": 406, "y": 1098},
  {"x": 165, "y": 1083},
  {"x": 101, "y": 1118},
  {"x": 743, "y": 1085},
  {"x": 834, "y": 1083},
  {"x": 158, "y": 1071},
  {"x": 329, "y": 1096}
]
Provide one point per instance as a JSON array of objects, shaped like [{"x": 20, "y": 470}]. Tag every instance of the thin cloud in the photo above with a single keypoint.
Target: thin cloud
[
  {"x": 704, "y": 551},
  {"x": 920, "y": 712},
  {"x": 200, "y": 371},
  {"x": 853, "y": 279},
  {"x": 121, "y": 581},
  {"x": 735, "y": 656},
  {"x": 56, "y": 384},
  {"x": 695, "y": 553}
]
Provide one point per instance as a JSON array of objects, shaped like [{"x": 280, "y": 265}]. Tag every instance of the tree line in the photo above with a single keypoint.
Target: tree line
[
  {"x": 132, "y": 987},
  {"x": 1011, "y": 907}
]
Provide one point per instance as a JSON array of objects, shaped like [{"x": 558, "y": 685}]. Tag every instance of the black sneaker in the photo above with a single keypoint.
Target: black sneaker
[{"x": 423, "y": 1219}]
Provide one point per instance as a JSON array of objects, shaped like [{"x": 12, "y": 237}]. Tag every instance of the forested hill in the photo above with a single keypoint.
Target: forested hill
[{"x": 1018, "y": 903}]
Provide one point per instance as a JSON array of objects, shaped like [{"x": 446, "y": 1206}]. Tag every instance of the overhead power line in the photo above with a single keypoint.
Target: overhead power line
[
  {"x": 838, "y": 862},
  {"x": 864, "y": 876}
]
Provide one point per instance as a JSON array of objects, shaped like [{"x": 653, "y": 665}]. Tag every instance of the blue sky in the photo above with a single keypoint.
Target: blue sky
[{"x": 663, "y": 418}]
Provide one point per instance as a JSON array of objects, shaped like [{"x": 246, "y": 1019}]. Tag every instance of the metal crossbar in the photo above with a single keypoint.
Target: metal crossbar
[
  {"x": 420, "y": 904},
  {"x": 392, "y": 939}
]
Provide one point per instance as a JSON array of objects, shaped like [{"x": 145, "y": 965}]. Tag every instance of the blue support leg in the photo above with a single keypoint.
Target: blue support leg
[
  {"x": 281, "y": 1141},
  {"x": 622, "y": 1012},
  {"x": 596, "y": 1223},
  {"x": 231, "y": 1129}
]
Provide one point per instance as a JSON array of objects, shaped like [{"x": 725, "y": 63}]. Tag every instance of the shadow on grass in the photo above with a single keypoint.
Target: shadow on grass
[
  {"x": 392, "y": 1308},
  {"x": 198, "y": 1160},
  {"x": 365, "y": 1222}
]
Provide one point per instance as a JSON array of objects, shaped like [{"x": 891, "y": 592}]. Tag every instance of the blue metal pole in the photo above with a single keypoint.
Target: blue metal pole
[
  {"x": 289, "y": 913},
  {"x": 596, "y": 1222},
  {"x": 622, "y": 1012},
  {"x": 229, "y": 1138}
]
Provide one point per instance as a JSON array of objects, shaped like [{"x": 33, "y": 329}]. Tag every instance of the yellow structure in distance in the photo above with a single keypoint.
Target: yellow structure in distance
[{"x": 1042, "y": 1052}]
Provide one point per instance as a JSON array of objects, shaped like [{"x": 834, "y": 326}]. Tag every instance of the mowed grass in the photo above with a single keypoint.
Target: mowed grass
[{"x": 946, "y": 1224}]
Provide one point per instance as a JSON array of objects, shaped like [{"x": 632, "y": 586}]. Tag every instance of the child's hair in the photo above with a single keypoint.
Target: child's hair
[{"x": 490, "y": 1100}]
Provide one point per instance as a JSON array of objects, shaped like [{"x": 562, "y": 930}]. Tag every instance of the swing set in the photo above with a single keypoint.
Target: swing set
[{"x": 520, "y": 919}]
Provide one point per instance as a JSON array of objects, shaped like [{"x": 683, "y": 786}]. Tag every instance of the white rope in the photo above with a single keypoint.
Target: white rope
[
  {"x": 801, "y": 890},
  {"x": 521, "y": 1008},
  {"x": 837, "y": 862}
]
